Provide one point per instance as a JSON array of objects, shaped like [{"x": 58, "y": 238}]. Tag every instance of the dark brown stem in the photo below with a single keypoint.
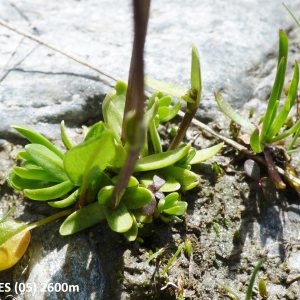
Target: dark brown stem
[
  {"x": 272, "y": 171},
  {"x": 135, "y": 99},
  {"x": 184, "y": 125}
]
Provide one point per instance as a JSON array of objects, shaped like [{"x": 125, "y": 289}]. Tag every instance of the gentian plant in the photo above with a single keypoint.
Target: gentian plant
[{"x": 120, "y": 172}]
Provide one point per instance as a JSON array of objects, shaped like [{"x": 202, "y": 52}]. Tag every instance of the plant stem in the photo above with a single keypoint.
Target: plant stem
[
  {"x": 50, "y": 219},
  {"x": 135, "y": 100},
  {"x": 184, "y": 125},
  {"x": 272, "y": 171}
]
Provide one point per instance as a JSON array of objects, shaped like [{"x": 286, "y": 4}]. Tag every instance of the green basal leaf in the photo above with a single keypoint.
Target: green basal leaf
[
  {"x": 64, "y": 136},
  {"x": 118, "y": 219},
  {"x": 289, "y": 102},
  {"x": 141, "y": 217},
  {"x": 49, "y": 193},
  {"x": 170, "y": 200},
  {"x": 20, "y": 184},
  {"x": 113, "y": 108},
  {"x": 47, "y": 160},
  {"x": 132, "y": 233},
  {"x": 95, "y": 131},
  {"x": 36, "y": 138},
  {"x": 165, "y": 87},
  {"x": 171, "y": 184},
  {"x": 155, "y": 138},
  {"x": 83, "y": 218},
  {"x": 136, "y": 197},
  {"x": 178, "y": 209},
  {"x": 89, "y": 156},
  {"x": 165, "y": 101},
  {"x": 34, "y": 174},
  {"x": 168, "y": 113},
  {"x": 255, "y": 141},
  {"x": 161, "y": 160},
  {"x": 133, "y": 182},
  {"x": 105, "y": 194},
  {"x": 185, "y": 177},
  {"x": 205, "y": 154},
  {"x": 226, "y": 108},
  {"x": 22, "y": 154},
  {"x": 70, "y": 200}
]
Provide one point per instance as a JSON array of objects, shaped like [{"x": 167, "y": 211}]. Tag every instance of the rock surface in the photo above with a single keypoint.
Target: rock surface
[{"x": 237, "y": 42}]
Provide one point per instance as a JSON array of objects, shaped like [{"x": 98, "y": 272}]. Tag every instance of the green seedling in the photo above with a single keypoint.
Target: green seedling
[
  {"x": 274, "y": 128},
  {"x": 261, "y": 286},
  {"x": 252, "y": 280}
]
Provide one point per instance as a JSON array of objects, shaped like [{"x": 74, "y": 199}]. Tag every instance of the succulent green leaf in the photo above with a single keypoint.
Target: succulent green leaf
[
  {"x": 34, "y": 174},
  {"x": 95, "y": 131},
  {"x": 105, "y": 194},
  {"x": 47, "y": 160},
  {"x": 89, "y": 156},
  {"x": 19, "y": 184},
  {"x": 133, "y": 182},
  {"x": 165, "y": 87},
  {"x": 83, "y": 218},
  {"x": 165, "y": 101},
  {"x": 51, "y": 192},
  {"x": 136, "y": 197},
  {"x": 205, "y": 154},
  {"x": 171, "y": 184},
  {"x": 170, "y": 200},
  {"x": 132, "y": 233},
  {"x": 37, "y": 138},
  {"x": 113, "y": 109},
  {"x": 64, "y": 136},
  {"x": 226, "y": 108},
  {"x": 119, "y": 219},
  {"x": 161, "y": 160},
  {"x": 178, "y": 209},
  {"x": 185, "y": 177},
  {"x": 168, "y": 113},
  {"x": 70, "y": 200}
]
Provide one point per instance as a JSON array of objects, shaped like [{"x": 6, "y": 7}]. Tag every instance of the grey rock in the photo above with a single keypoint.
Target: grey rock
[{"x": 40, "y": 87}]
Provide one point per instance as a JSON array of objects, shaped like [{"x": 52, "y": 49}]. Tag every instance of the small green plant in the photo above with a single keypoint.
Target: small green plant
[
  {"x": 120, "y": 172},
  {"x": 275, "y": 127}
]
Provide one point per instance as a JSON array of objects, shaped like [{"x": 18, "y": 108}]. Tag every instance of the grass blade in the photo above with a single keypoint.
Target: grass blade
[
  {"x": 252, "y": 279},
  {"x": 227, "y": 109},
  {"x": 289, "y": 102},
  {"x": 277, "y": 86}
]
